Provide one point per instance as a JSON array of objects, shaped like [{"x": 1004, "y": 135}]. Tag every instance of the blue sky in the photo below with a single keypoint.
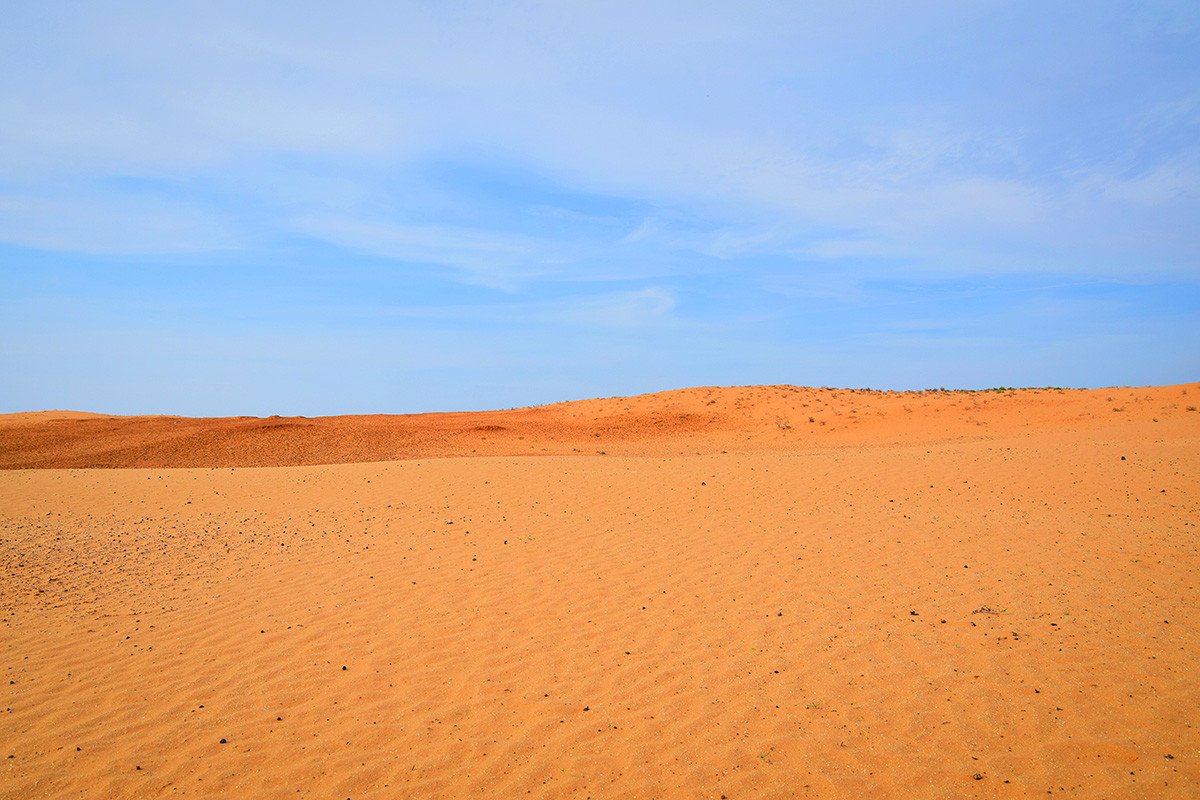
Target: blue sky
[{"x": 313, "y": 208}]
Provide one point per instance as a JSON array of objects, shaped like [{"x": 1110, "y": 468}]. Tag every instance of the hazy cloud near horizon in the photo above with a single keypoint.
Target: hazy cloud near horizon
[{"x": 406, "y": 207}]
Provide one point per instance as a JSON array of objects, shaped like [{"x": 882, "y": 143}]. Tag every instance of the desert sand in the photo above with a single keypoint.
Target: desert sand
[{"x": 746, "y": 592}]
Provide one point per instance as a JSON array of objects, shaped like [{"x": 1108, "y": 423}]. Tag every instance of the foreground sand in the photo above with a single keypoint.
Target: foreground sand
[{"x": 931, "y": 595}]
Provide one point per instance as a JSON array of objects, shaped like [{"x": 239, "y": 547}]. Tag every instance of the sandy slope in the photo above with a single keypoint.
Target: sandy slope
[
  {"x": 931, "y": 595},
  {"x": 683, "y": 422}
]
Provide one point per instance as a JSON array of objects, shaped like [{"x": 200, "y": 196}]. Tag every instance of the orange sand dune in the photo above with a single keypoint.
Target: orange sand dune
[
  {"x": 929, "y": 595},
  {"x": 684, "y": 422}
]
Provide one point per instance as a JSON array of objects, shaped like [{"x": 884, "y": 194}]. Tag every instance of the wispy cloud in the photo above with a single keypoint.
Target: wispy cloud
[
  {"x": 116, "y": 224},
  {"x": 747, "y": 122},
  {"x": 659, "y": 167},
  {"x": 636, "y": 309},
  {"x": 491, "y": 258}
]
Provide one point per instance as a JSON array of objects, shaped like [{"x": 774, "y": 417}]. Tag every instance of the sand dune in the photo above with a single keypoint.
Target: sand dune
[
  {"x": 702, "y": 421},
  {"x": 698, "y": 593}
]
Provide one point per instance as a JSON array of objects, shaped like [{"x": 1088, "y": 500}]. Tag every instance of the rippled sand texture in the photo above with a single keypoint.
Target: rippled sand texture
[{"x": 959, "y": 595}]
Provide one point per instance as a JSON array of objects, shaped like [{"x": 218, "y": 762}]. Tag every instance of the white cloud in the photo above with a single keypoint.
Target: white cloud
[
  {"x": 1162, "y": 185},
  {"x": 489, "y": 258},
  {"x": 115, "y": 225},
  {"x": 746, "y": 120},
  {"x": 637, "y": 309},
  {"x": 835, "y": 249}
]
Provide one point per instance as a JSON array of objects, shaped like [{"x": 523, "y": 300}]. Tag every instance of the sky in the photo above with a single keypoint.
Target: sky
[{"x": 227, "y": 208}]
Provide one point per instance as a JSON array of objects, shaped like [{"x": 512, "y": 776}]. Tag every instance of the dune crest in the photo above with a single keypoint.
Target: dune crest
[{"x": 703, "y": 420}]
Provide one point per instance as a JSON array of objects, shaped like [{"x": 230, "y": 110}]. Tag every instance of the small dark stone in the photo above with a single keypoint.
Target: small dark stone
[
  {"x": 138, "y": 768},
  {"x": 224, "y": 742},
  {"x": 1168, "y": 755},
  {"x": 585, "y": 708},
  {"x": 343, "y": 669},
  {"x": 913, "y": 613},
  {"x": 978, "y": 777},
  {"x": 1122, "y": 458}
]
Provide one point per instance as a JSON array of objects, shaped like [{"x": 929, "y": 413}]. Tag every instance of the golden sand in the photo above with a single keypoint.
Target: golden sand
[{"x": 698, "y": 593}]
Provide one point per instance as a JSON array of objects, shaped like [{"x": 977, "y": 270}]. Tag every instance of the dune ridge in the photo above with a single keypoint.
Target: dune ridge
[
  {"x": 679, "y": 422},
  {"x": 687, "y": 595}
]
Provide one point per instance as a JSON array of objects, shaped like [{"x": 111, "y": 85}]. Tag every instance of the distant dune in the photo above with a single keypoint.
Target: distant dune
[
  {"x": 687, "y": 421},
  {"x": 757, "y": 592}
]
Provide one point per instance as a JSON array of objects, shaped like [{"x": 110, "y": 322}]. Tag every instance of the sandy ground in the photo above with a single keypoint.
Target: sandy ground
[{"x": 692, "y": 594}]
